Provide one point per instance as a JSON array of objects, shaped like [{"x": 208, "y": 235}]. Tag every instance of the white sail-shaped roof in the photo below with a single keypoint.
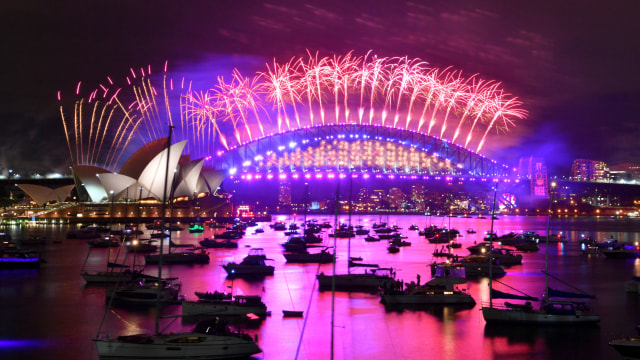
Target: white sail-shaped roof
[
  {"x": 87, "y": 175},
  {"x": 188, "y": 179},
  {"x": 154, "y": 174},
  {"x": 63, "y": 192},
  {"x": 213, "y": 178},
  {"x": 42, "y": 194},
  {"x": 135, "y": 164},
  {"x": 117, "y": 183}
]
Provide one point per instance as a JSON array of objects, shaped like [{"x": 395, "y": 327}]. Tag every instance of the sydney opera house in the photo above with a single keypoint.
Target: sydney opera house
[{"x": 153, "y": 173}]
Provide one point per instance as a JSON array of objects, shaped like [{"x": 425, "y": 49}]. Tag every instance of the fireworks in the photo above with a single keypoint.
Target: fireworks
[{"x": 367, "y": 90}]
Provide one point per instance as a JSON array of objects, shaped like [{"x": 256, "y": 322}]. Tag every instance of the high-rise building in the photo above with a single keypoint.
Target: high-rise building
[
  {"x": 588, "y": 170},
  {"x": 284, "y": 193},
  {"x": 396, "y": 198},
  {"x": 418, "y": 196}
]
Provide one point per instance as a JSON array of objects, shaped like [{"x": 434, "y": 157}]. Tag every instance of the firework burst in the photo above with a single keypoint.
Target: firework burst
[{"x": 400, "y": 92}]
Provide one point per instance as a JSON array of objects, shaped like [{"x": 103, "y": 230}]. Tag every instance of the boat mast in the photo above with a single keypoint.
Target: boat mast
[
  {"x": 333, "y": 278},
  {"x": 162, "y": 218},
  {"x": 349, "y": 227},
  {"x": 546, "y": 259},
  {"x": 493, "y": 213}
]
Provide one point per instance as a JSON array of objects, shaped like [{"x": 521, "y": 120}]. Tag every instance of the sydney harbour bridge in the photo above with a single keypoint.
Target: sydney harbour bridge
[{"x": 312, "y": 117}]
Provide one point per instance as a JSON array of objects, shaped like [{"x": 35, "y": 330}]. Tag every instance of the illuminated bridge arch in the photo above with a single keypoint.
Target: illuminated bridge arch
[{"x": 357, "y": 148}]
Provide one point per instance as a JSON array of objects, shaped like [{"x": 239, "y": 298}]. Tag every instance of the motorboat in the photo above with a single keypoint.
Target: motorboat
[
  {"x": 628, "y": 347},
  {"x": 141, "y": 246},
  {"x": 214, "y": 244},
  {"x": 622, "y": 252},
  {"x": 252, "y": 265},
  {"x": 105, "y": 242},
  {"x": 475, "y": 266},
  {"x": 19, "y": 259},
  {"x": 322, "y": 257},
  {"x": 369, "y": 281},
  {"x": 506, "y": 257},
  {"x": 441, "y": 290},
  {"x": 238, "y": 305},
  {"x": 188, "y": 256},
  {"x": 229, "y": 234},
  {"x": 196, "y": 228}
]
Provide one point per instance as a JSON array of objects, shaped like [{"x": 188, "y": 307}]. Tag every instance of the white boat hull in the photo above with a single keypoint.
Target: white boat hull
[
  {"x": 515, "y": 316},
  {"x": 169, "y": 347}
]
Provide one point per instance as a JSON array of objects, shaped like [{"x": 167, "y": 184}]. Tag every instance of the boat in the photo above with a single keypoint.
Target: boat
[
  {"x": 393, "y": 249},
  {"x": 210, "y": 339},
  {"x": 505, "y": 257},
  {"x": 229, "y": 234},
  {"x": 146, "y": 292},
  {"x": 296, "y": 244},
  {"x": 19, "y": 259},
  {"x": 213, "y": 244},
  {"x": 216, "y": 295},
  {"x": 196, "y": 228},
  {"x": 105, "y": 242},
  {"x": 238, "y": 305},
  {"x": 252, "y": 265},
  {"x": 369, "y": 281},
  {"x": 628, "y": 347},
  {"x": 471, "y": 231},
  {"x": 441, "y": 290},
  {"x": 141, "y": 246},
  {"x": 475, "y": 266},
  {"x": 115, "y": 275},
  {"x": 188, "y": 256},
  {"x": 322, "y": 257},
  {"x": 292, "y": 313},
  {"x": 556, "y": 307},
  {"x": 622, "y": 252}
]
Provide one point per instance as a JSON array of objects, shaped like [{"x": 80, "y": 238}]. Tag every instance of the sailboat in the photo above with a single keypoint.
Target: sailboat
[
  {"x": 211, "y": 339},
  {"x": 556, "y": 307},
  {"x": 369, "y": 281}
]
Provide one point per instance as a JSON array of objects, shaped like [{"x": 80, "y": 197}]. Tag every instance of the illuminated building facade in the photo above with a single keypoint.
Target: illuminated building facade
[{"x": 588, "y": 170}]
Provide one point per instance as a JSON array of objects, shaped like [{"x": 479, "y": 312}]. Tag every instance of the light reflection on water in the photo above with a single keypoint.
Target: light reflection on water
[{"x": 53, "y": 303}]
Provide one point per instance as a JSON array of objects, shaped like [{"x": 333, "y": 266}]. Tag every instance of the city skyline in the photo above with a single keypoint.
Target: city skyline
[{"x": 571, "y": 64}]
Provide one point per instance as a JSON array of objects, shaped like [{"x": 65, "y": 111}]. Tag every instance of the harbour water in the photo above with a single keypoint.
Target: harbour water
[{"x": 50, "y": 313}]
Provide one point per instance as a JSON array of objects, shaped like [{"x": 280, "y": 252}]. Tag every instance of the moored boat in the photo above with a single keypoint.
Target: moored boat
[
  {"x": 369, "y": 281},
  {"x": 236, "y": 306},
  {"x": 441, "y": 290},
  {"x": 252, "y": 265}
]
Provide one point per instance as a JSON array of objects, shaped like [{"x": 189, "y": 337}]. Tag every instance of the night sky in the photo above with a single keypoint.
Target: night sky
[{"x": 573, "y": 64}]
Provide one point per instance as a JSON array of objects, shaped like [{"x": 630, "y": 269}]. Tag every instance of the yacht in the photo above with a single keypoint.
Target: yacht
[
  {"x": 441, "y": 290},
  {"x": 369, "y": 281},
  {"x": 252, "y": 265},
  {"x": 211, "y": 339},
  {"x": 239, "y": 305}
]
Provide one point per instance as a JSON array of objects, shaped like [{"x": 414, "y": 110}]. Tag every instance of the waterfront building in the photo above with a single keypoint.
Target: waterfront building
[{"x": 588, "y": 170}]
